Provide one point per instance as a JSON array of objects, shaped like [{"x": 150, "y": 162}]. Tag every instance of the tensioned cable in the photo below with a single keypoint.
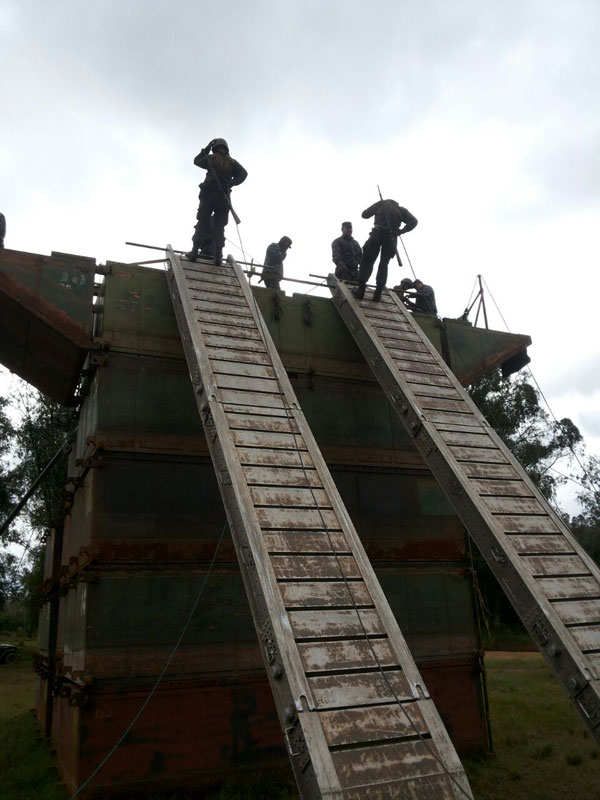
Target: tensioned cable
[
  {"x": 593, "y": 487},
  {"x": 162, "y": 674},
  {"x": 367, "y": 637}
]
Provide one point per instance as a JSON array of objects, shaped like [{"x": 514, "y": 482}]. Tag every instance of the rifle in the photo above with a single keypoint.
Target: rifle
[
  {"x": 217, "y": 180},
  {"x": 387, "y": 219}
]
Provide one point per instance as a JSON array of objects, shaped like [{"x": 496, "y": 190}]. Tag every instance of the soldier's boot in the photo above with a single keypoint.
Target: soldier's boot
[
  {"x": 377, "y": 294},
  {"x": 359, "y": 292},
  {"x": 218, "y": 257},
  {"x": 192, "y": 255}
]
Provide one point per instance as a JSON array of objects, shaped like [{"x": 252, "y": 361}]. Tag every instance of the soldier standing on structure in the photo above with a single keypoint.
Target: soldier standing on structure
[
  {"x": 384, "y": 237},
  {"x": 2, "y": 229},
  {"x": 215, "y": 204},
  {"x": 345, "y": 254},
  {"x": 273, "y": 267}
]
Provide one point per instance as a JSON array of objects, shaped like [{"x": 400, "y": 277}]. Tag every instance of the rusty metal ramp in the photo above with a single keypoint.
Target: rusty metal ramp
[
  {"x": 551, "y": 581},
  {"x": 357, "y": 719}
]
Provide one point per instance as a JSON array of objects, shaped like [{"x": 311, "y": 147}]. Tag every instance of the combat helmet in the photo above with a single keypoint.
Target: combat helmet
[{"x": 220, "y": 144}]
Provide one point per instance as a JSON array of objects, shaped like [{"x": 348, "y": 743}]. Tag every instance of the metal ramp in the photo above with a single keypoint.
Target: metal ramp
[
  {"x": 357, "y": 719},
  {"x": 552, "y": 583}
]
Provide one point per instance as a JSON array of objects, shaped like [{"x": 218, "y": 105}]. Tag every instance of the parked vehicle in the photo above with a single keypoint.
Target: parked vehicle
[{"x": 8, "y": 653}]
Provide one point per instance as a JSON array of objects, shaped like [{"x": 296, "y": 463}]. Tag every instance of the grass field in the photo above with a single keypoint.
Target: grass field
[{"x": 542, "y": 750}]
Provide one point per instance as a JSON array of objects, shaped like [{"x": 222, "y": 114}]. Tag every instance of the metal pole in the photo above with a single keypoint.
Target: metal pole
[
  {"x": 483, "y": 302},
  {"x": 64, "y": 450}
]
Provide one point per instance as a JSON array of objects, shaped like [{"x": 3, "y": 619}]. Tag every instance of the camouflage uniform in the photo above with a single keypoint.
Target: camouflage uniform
[
  {"x": 345, "y": 254},
  {"x": 273, "y": 267},
  {"x": 384, "y": 237},
  {"x": 213, "y": 210}
]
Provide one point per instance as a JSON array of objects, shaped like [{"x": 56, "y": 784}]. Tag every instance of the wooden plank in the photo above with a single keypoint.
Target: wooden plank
[
  {"x": 438, "y": 403},
  {"x": 351, "y": 726},
  {"x": 363, "y": 689},
  {"x": 285, "y": 497},
  {"x": 400, "y": 349},
  {"x": 579, "y": 611},
  {"x": 482, "y": 455},
  {"x": 554, "y": 565},
  {"x": 347, "y": 655},
  {"x": 233, "y": 343},
  {"x": 306, "y": 542},
  {"x": 475, "y": 470},
  {"x": 389, "y": 341},
  {"x": 428, "y": 380},
  {"x": 225, "y": 367},
  {"x": 247, "y": 384},
  {"x": 568, "y": 588},
  {"x": 276, "y": 476},
  {"x": 587, "y": 637},
  {"x": 466, "y": 438},
  {"x": 250, "y": 357},
  {"x": 370, "y": 766},
  {"x": 234, "y": 310},
  {"x": 297, "y": 518},
  {"x": 447, "y": 420},
  {"x": 314, "y": 567},
  {"x": 262, "y": 422},
  {"x": 235, "y": 331},
  {"x": 388, "y": 327},
  {"x": 540, "y": 543},
  {"x": 251, "y": 398},
  {"x": 268, "y": 439},
  {"x": 336, "y": 623},
  {"x": 418, "y": 367},
  {"x": 513, "y": 505},
  {"x": 200, "y": 269},
  {"x": 196, "y": 279},
  {"x": 424, "y": 391},
  {"x": 209, "y": 290},
  {"x": 204, "y": 317},
  {"x": 541, "y": 524},
  {"x": 326, "y": 593},
  {"x": 234, "y": 410},
  {"x": 501, "y": 488},
  {"x": 255, "y": 456}
]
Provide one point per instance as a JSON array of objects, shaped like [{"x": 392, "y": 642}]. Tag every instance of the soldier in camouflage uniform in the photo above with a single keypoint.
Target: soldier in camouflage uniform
[
  {"x": 273, "y": 267},
  {"x": 384, "y": 237},
  {"x": 345, "y": 254},
  {"x": 424, "y": 297},
  {"x": 213, "y": 210}
]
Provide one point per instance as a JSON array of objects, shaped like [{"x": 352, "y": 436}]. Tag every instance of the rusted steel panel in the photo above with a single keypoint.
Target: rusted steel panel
[
  {"x": 362, "y": 689},
  {"x": 192, "y": 734},
  {"x": 46, "y": 319}
]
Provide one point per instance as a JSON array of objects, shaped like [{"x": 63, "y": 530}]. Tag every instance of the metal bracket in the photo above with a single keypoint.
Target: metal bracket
[{"x": 296, "y": 745}]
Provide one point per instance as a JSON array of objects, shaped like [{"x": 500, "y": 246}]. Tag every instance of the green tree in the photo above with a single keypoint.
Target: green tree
[{"x": 512, "y": 406}]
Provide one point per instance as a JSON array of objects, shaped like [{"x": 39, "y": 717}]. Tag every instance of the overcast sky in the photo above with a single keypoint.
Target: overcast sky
[{"x": 482, "y": 118}]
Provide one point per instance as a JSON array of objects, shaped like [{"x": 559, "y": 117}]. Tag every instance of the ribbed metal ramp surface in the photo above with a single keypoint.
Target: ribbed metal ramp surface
[
  {"x": 552, "y": 583},
  {"x": 356, "y": 716}
]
